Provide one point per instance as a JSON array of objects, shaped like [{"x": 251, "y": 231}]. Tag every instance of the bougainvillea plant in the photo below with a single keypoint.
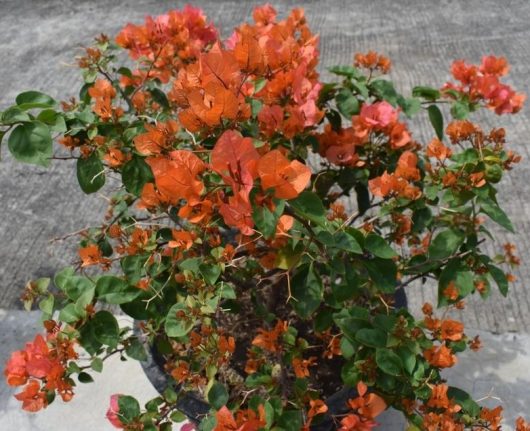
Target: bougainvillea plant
[{"x": 231, "y": 238}]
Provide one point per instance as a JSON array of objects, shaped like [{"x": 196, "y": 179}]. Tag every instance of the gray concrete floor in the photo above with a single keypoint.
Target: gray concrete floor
[{"x": 38, "y": 40}]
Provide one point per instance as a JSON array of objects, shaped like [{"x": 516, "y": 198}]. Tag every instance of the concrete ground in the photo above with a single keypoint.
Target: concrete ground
[{"x": 38, "y": 42}]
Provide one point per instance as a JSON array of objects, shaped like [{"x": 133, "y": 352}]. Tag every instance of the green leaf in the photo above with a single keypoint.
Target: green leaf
[
  {"x": 134, "y": 267},
  {"x": 210, "y": 272},
  {"x": 106, "y": 329},
  {"x": 74, "y": 286},
  {"x": 136, "y": 350},
  {"x": 31, "y": 143},
  {"x": 347, "y": 71},
  {"x": 97, "y": 364},
  {"x": 135, "y": 175},
  {"x": 85, "y": 377},
  {"x": 217, "y": 395},
  {"x": 500, "y": 278},
  {"x": 129, "y": 408},
  {"x": 457, "y": 272},
  {"x": 14, "y": 115},
  {"x": 445, "y": 244},
  {"x": 389, "y": 362},
  {"x": 437, "y": 120},
  {"x": 460, "y": 110},
  {"x": 371, "y": 337},
  {"x": 385, "y": 90},
  {"x": 307, "y": 291},
  {"x": 345, "y": 241},
  {"x": 34, "y": 99},
  {"x": 266, "y": 220},
  {"x": 347, "y": 103},
  {"x": 159, "y": 97},
  {"x": 424, "y": 92},
  {"x": 90, "y": 173},
  {"x": 70, "y": 314},
  {"x": 87, "y": 338},
  {"x": 46, "y": 305},
  {"x": 348, "y": 288},
  {"x": 464, "y": 400},
  {"x": 379, "y": 247},
  {"x": 309, "y": 206},
  {"x": 114, "y": 290},
  {"x": 291, "y": 420},
  {"x": 410, "y": 107},
  {"x": 383, "y": 273},
  {"x": 178, "y": 321},
  {"x": 495, "y": 212}
]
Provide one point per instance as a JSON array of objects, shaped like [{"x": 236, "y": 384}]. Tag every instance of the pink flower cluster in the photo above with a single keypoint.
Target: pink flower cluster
[{"x": 482, "y": 83}]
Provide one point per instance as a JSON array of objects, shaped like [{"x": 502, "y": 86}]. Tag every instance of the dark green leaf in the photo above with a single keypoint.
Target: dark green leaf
[
  {"x": 347, "y": 103},
  {"x": 34, "y": 99},
  {"x": 266, "y": 220},
  {"x": 159, "y": 97},
  {"x": 495, "y": 212},
  {"x": 363, "y": 198},
  {"x": 136, "y": 350},
  {"x": 210, "y": 272},
  {"x": 388, "y": 362},
  {"x": 106, "y": 329},
  {"x": 383, "y": 273},
  {"x": 309, "y": 205},
  {"x": 307, "y": 290},
  {"x": 135, "y": 175},
  {"x": 385, "y": 90},
  {"x": 378, "y": 246},
  {"x": 345, "y": 241},
  {"x": 291, "y": 420},
  {"x": 31, "y": 143},
  {"x": 500, "y": 278},
  {"x": 464, "y": 400},
  {"x": 114, "y": 290},
  {"x": 85, "y": 377},
  {"x": 428, "y": 93},
  {"x": 410, "y": 107},
  {"x": 437, "y": 120},
  {"x": 371, "y": 337},
  {"x": 217, "y": 395},
  {"x": 347, "y": 71},
  {"x": 129, "y": 409},
  {"x": 446, "y": 243},
  {"x": 334, "y": 119},
  {"x": 90, "y": 173}
]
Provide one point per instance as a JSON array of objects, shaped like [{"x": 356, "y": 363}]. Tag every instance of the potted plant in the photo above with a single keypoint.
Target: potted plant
[{"x": 261, "y": 291}]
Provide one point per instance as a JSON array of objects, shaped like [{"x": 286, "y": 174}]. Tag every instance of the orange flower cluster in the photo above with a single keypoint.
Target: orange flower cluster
[
  {"x": 165, "y": 42},
  {"x": 398, "y": 182},
  {"x": 41, "y": 366},
  {"x": 103, "y": 92},
  {"x": 239, "y": 164},
  {"x": 366, "y": 407},
  {"x": 245, "y": 420},
  {"x": 376, "y": 119},
  {"x": 373, "y": 61},
  {"x": 271, "y": 61},
  {"x": 481, "y": 83}
]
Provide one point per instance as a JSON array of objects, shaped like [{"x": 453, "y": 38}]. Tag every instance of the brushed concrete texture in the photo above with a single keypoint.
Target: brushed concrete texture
[{"x": 38, "y": 41}]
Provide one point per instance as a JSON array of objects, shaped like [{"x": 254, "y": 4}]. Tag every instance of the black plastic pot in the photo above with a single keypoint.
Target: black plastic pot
[{"x": 195, "y": 408}]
